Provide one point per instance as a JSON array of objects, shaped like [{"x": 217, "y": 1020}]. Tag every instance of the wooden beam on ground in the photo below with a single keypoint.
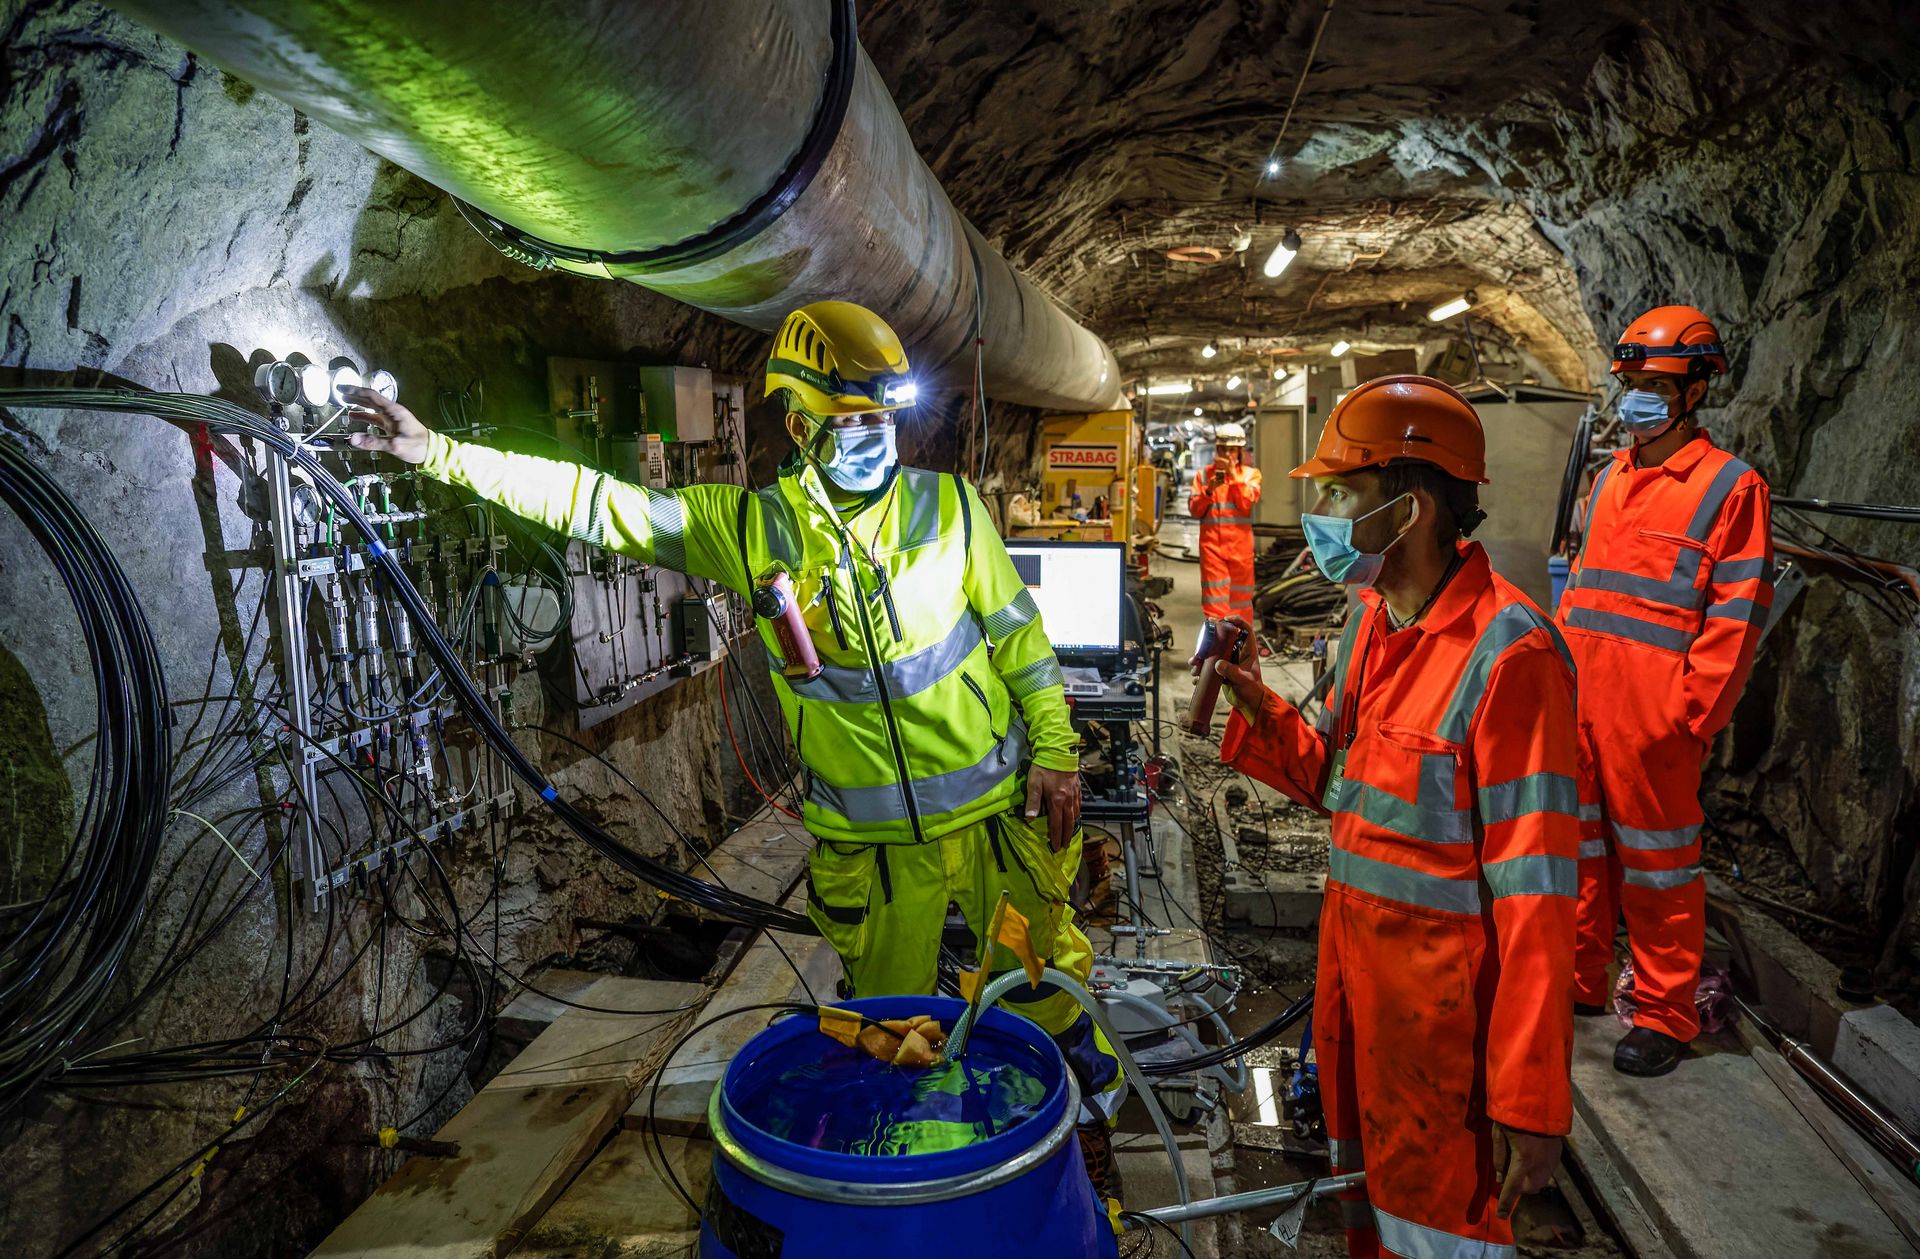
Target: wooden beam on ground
[
  {"x": 763, "y": 859},
  {"x": 1720, "y": 1159},
  {"x": 764, "y": 976},
  {"x": 524, "y": 1135},
  {"x": 621, "y": 1207}
]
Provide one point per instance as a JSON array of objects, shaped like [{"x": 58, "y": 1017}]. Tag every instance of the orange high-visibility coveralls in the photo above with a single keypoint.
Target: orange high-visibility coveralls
[
  {"x": 1447, "y": 757},
  {"x": 1225, "y": 513},
  {"x": 1663, "y": 608}
]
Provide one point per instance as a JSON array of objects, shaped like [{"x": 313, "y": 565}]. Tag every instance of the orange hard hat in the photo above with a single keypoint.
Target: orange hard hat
[
  {"x": 1401, "y": 417},
  {"x": 1676, "y": 339}
]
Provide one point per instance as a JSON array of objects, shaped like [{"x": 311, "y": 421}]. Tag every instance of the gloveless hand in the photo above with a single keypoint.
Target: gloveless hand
[
  {"x": 1245, "y": 691},
  {"x": 1523, "y": 1162},
  {"x": 1057, "y": 792},
  {"x": 396, "y": 431}
]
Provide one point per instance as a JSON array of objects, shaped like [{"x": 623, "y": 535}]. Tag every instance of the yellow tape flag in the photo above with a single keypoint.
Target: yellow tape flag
[{"x": 1013, "y": 935}]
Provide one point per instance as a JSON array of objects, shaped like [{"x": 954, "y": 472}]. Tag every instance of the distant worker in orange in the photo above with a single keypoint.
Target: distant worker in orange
[
  {"x": 1223, "y": 500},
  {"x": 1663, "y": 609},
  {"x": 1447, "y": 756}
]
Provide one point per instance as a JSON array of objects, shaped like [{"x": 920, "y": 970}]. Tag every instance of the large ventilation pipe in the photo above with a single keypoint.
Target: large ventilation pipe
[{"x": 742, "y": 156}]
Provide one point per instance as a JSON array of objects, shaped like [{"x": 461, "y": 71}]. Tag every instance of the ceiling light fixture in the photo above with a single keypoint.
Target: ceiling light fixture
[
  {"x": 1279, "y": 373},
  {"x": 1233, "y": 382},
  {"x": 1210, "y": 349},
  {"x": 1447, "y": 310},
  {"x": 1341, "y": 347},
  {"x": 1198, "y": 412},
  {"x": 1273, "y": 167},
  {"x": 1168, "y": 388},
  {"x": 1282, "y": 255}
]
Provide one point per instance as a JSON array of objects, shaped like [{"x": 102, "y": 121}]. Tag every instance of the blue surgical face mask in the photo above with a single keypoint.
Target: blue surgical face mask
[
  {"x": 1646, "y": 413},
  {"x": 1331, "y": 538},
  {"x": 861, "y": 456}
]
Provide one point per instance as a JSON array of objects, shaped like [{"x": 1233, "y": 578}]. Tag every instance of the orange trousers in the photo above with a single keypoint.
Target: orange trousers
[
  {"x": 1646, "y": 861},
  {"x": 1398, "y": 1032},
  {"x": 1226, "y": 571}
]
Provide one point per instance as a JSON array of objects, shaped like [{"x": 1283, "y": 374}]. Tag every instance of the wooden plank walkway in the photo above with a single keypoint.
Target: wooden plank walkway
[{"x": 1721, "y": 1160}]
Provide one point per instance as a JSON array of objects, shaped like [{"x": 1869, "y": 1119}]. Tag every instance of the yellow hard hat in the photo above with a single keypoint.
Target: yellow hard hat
[{"x": 837, "y": 358}]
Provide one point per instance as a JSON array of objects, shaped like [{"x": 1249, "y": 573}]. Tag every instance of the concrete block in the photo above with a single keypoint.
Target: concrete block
[
  {"x": 1275, "y": 898},
  {"x": 1878, "y": 1048}
]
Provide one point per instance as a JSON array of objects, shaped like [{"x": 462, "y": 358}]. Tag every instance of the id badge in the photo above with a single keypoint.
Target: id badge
[{"x": 1330, "y": 799}]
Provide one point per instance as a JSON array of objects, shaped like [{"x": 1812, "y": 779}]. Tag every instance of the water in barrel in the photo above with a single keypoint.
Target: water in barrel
[{"x": 845, "y": 1102}]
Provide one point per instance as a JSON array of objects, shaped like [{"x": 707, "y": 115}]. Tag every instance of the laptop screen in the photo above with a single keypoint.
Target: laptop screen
[{"x": 1078, "y": 587}]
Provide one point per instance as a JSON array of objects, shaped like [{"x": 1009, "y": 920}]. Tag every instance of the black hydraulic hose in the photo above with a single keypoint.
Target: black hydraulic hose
[
  {"x": 219, "y": 414},
  {"x": 1235, "y": 1049},
  {"x": 61, "y": 954},
  {"x": 1863, "y": 511}
]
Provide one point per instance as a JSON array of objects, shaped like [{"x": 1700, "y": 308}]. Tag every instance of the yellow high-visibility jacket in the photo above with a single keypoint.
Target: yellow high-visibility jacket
[{"x": 939, "y": 681}]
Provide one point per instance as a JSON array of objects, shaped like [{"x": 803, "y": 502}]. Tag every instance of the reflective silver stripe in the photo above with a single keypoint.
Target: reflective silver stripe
[
  {"x": 1433, "y": 819},
  {"x": 1677, "y": 591},
  {"x": 1037, "y": 676},
  {"x": 1348, "y": 635},
  {"x": 1221, "y": 584},
  {"x": 1508, "y": 626},
  {"x": 1661, "y": 880},
  {"x": 1226, "y": 520},
  {"x": 782, "y": 530},
  {"x": 1715, "y": 498},
  {"x": 669, "y": 521},
  {"x": 1417, "y": 1241},
  {"x": 1397, "y": 883},
  {"x": 1726, "y": 572},
  {"x": 923, "y": 509},
  {"x": 594, "y": 527},
  {"x": 1654, "y": 841},
  {"x": 1346, "y": 1155},
  {"x": 1631, "y": 627},
  {"x": 1536, "y": 874},
  {"x": 906, "y": 676},
  {"x": 935, "y": 794},
  {"x": 1739, "y": 610},
  {"x": 1590, "y": 848},
  {"x": 1019, "y": 610},
  {"x": 1593, "y": 507},
  {"x": 1589, "y": 813},
  {"x": 1356, "y": 1214},
  {"x": 1544, "y": 792}
]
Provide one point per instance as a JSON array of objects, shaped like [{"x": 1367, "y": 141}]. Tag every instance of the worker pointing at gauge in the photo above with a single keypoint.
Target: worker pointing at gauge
[
  {"x": 929, "y": 711},
  {"x": 1447, "y": 756}
]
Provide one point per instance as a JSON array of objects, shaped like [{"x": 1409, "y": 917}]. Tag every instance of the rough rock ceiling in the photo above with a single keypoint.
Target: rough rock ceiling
[{"x": 1088, "y": 137}]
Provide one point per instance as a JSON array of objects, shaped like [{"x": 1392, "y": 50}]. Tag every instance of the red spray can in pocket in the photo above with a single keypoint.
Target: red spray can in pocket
[
  {"x": 1223, "y": 640},
  {"x": 774, "y": 600}
]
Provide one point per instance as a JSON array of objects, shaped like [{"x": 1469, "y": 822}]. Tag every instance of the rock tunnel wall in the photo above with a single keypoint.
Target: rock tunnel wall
[{"x": 162, "y": 222}]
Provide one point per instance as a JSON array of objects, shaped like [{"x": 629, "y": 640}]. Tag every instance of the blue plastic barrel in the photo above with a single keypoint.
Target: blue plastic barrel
[
  {"x": 1024, "y": 1192},
  {"x": 1557, "y": 574}
]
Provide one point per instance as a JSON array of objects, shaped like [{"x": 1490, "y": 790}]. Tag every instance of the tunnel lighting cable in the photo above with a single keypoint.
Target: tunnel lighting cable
[
  {"x": 1272, "y": 164},
  {"x": 225, "y": 416}
]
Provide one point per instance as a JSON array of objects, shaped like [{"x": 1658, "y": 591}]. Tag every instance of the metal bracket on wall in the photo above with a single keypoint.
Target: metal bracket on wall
[{"x": 1788, "y": 581}]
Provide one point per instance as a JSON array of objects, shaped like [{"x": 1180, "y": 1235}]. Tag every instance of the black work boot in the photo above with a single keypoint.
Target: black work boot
[
  {"x": 1096, "y": 1150},
  {"x": 1587, "y": 1011},
  {"x": 1644, "y": 1051}
]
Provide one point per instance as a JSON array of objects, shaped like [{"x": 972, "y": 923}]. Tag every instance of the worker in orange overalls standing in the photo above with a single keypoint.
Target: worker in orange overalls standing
[
  {"x": 1223, "y": 500},
  {"x": 1447, "y": 756},
  {"x": 1663, "y": 609}
]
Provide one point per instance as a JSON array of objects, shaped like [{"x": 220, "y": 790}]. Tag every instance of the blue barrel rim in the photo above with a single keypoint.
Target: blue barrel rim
[{"x": 903, "y": 1177}]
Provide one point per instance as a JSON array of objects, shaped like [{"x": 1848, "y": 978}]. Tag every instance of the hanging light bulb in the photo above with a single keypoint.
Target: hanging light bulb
[
  {"x": 1210, "y": 349},
  {"x": 1198, "y": 412},
  {"x": 1273, "y": 167},
  {"x": 1233, "y": 382},
  {"x": 1282, "y": 255},
  {"x": 1341, "y": 347},
  {"x": 1279, "y": 373}
]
